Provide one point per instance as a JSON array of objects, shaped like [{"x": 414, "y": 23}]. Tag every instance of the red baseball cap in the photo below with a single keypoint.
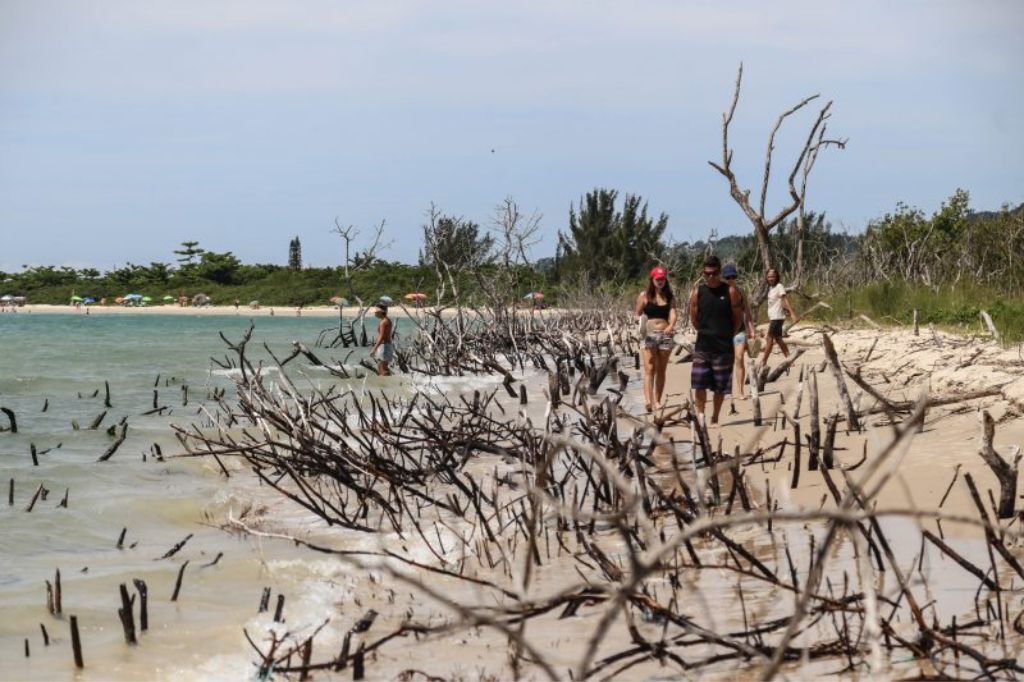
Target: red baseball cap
[{"x": 658, "y": 272}]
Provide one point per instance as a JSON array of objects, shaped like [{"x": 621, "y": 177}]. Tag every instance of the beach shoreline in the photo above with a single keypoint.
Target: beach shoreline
[{"x": 328, "y": 312}]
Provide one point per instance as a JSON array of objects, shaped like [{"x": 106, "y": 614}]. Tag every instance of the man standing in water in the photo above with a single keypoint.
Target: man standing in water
[
  {"x": 383, "y": 349},
  {"x": 716, "y": 312}
]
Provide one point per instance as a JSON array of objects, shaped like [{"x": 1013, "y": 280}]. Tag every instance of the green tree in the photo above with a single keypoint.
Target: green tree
[
  {"x": 455, "y": 242},
  {"x": 188, "y": 253},
  {"x": 605, "y": 244},
  {"x": 158, "y": 273},
  {"x": 221, "y": 268},
  {"x": 295, "y": 254}
]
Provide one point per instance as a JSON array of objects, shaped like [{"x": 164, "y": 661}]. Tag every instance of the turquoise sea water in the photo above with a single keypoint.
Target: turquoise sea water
[{"x": 61, "y": 362}]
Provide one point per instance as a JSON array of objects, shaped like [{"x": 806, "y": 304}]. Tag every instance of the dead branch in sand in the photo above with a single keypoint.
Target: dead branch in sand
[{"x": 588, "y": 490}]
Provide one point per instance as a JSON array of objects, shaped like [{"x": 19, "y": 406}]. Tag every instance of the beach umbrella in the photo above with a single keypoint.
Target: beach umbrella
[
  {"x": 415, "y": 296},
  {"x": 147, "y": 299},
  {"x": 200, "y": 299},
  {"x": 119, "y": 299},
  {"x": 385, "y": 301},
  {"x": 6, "y": 297},
  {"x": 254, "y": 304},
  {"x": 76, "y": 299},
  {"x": 168, "y": 298},
  {"x": 534, "y": 296},
  {"x": 88, "y": 299},
  {"x": 133, "y": 297}
]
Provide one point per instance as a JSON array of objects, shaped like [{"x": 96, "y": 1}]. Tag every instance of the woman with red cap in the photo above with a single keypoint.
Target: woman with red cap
[{"x": 656, "y": 304}]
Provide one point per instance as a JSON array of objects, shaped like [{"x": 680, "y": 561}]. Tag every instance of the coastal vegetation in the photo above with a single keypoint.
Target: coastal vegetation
[{"x": 948, "y": 265}]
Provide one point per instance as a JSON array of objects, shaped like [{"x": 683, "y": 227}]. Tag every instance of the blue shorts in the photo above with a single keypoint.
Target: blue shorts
[
  {"x": 739, "y": 339},
  {"x": 386, "y": 352},
  {"x": 712, "y": 371}
]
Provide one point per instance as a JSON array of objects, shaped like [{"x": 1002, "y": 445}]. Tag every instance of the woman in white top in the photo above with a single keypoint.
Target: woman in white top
[{"x": 778, "y": 308}]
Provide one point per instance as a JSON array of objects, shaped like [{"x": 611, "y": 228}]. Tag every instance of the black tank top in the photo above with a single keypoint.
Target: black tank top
[
  {"x": 714, "y": 319},
  {"x": 653, "y": 311}
]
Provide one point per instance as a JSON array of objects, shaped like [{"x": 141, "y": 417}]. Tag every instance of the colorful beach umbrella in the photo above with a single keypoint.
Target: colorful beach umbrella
[
  {"x": 6, "y": 297},
  {"x": 76, "y": 299},
  {"x": 534, "y": 296},
  {"x": 415, "y": 296},
  {"x": 88, "y": 299},
  {"x": 168, "y": 298},
  {"x": 147, "y": 299},
  {"x": 133, "y": 297}
]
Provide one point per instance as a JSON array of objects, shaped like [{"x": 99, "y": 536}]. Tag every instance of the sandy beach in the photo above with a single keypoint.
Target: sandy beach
[
  {"x": 397, "y": 310},
  {"x": 408, "y": 580},
  {"x": 211, "y": 310},
  {"x": 901, "y": 367}
]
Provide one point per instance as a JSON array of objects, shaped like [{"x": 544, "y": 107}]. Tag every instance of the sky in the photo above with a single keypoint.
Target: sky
[{"x": 127, "y": 127}]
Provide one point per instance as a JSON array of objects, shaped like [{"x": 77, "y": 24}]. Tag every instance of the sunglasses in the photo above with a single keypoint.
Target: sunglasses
[{"x": 710, "y": 273}]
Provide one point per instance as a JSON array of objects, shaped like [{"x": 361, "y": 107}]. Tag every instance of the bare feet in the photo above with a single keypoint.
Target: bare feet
[{"x": 647, "y": 407}]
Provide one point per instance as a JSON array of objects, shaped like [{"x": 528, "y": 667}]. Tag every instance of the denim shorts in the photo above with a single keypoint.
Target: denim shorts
[{"x": 386, "y": 352}]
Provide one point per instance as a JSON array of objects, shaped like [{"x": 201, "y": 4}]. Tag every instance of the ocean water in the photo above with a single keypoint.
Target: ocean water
[{"x": 61, "y": 362}]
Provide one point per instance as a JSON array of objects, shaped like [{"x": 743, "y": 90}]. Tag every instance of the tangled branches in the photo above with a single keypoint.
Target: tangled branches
[{"x": 651, "y": 549}]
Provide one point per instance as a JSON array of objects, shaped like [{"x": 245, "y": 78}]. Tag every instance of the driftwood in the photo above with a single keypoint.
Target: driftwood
[
  {"x": 76, "y": 642},
  {"x": 987, "y": 319},
  {"x": 578, "y": 489},
  {"x": 1005, "y": 471},
  {"x": 852, "y": 420},
  {"x": 784, "y": 367},
  {"x": 12, "y": 420}
]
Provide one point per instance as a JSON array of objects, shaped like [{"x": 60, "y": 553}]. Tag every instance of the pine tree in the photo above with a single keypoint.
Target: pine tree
[
  {"x": 606, "y": 245},
  {"x": 295, "y": 254},
  {"x": 188, "y": 257}
]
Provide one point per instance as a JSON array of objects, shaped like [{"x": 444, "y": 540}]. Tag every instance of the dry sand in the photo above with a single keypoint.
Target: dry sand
[{"x": 901, "y": 366}]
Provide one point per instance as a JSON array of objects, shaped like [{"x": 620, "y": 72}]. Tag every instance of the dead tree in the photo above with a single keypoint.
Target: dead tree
[
  {"x": 1005, "y": 471},
  {"x": 762, "y": 222}
]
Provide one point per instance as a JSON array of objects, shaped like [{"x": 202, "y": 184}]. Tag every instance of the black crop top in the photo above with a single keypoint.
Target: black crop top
[{"x": 653, "y": 311}]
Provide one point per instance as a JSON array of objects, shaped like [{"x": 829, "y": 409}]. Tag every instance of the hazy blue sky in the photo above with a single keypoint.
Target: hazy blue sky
[{"x": 127, "y": 127}]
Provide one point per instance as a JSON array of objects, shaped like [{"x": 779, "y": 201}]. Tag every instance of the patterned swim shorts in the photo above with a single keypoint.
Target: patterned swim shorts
[
  {"x": 659, "y": 341},
  {"x": 712, "y": 371}
]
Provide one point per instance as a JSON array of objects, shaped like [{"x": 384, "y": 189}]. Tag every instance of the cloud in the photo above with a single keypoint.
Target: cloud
[{"x": 254, "y": 47}]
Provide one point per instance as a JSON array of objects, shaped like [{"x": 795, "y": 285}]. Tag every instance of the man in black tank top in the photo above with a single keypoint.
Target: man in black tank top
[{"x": 716, "y": 312}]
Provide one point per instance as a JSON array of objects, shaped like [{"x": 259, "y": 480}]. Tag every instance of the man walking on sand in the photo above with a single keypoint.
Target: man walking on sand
[
  {"x": 383, "y": 349},
  {"x": 716, "y": 312}
]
